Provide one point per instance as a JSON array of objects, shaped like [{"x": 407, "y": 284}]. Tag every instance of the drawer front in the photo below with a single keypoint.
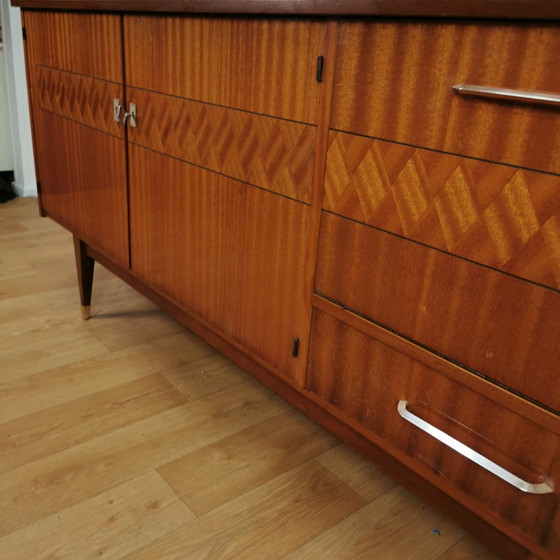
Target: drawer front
[
  {"x": 500, "y": 216},
  {"x": 261, "y": 65},
  {"x": 365, "y": 380},
  {"x": 394, "y": 81},
  {"x": 503, "y": 327}
]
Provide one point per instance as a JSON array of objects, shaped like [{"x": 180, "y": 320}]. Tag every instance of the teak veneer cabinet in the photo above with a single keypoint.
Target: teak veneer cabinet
[{"x": 311, "y": 194}]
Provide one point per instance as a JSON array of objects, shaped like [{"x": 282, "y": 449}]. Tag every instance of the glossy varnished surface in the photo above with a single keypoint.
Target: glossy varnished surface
[
  {"x": 236, "y": 261},
  {"x": 275, "y": 154},
  {"x": 259, "y": 65},
  {"x": 127, "y": 436},
  {"x": 230, "y": 254},
  {"x": 500, "y": 326},
  {"x": 497, "y": 215},
  {"x": 74, "y": 70},
  {"x": 394, "y": 81},
  {"x": 88, "y": 44},
  {"x": 83, "y": 179},
  {"x": 83, "y": 99},
  {"x": 525, "y": 9},
  {"x": 365, "y": 379}
]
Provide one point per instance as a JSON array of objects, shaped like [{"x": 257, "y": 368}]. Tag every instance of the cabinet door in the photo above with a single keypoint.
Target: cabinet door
[
  {"x": 230, "y": 254},
  {"x": 221, "y": 166},
  {"x": 75, "y": 73}
]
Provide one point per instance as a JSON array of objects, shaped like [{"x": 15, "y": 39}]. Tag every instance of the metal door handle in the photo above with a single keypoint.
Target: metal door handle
[
  {"x": 472, "y": 455},
  {"x": 532, "y": 97},
  {"x": 130, "y": 116}
]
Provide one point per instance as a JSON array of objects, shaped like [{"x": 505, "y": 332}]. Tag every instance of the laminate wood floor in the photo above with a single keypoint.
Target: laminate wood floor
[{"x": 128, "y": 437}]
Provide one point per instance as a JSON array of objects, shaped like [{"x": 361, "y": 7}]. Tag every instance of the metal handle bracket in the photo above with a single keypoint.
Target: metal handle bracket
[{"x": 117, "y": 108}]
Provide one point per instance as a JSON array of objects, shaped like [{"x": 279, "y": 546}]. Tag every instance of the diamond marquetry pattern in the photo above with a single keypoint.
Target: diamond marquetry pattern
[
  {"x": 82, "y": 99},
  {"x": 268, "y": 152},
  {"x": 500, "y": 216}
]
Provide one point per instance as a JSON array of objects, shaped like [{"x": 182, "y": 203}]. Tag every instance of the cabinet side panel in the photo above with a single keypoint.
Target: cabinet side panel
[
  {"x": 261, "y": 65},
  {"x": 230, "y": 254}
]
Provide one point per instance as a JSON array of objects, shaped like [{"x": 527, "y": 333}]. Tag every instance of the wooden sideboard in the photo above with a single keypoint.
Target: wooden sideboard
[{"x": 301, "y": 184}]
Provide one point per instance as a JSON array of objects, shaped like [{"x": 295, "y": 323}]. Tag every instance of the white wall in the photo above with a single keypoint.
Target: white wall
[
  {"x": 6, "y": 151},
  {"x": 24, "y": 167}
]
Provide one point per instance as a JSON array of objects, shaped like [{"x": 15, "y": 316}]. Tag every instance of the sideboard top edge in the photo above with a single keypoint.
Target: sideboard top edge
[{"x": 484, "y": 9}]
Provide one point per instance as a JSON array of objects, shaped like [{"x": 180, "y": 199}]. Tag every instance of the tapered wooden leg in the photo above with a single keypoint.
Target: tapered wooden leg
[{"x": 85, "y": 266}]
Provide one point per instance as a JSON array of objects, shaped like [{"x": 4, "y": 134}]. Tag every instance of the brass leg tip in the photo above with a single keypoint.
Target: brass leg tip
[{"x": 86, "y": 312}]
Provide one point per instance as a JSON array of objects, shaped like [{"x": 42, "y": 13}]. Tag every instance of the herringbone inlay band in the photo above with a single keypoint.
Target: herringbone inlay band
[
  {"x": 497, "y": 215},
  {"x": 271, "y": 153},
  {"x": 83, "y": 99}
]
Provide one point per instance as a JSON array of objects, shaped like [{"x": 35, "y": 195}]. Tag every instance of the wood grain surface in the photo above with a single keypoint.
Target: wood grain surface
[
  {"x": 500, "y": 216},
  {"x": 83, "y": 99},
  {"x": 366, "y": 379},
  {"x": 227, "y": 100},
  {"x": 221, "y": 250},
  {"x": 523, "y": 9},
  {"x": 99, "y": 408},
  {"x": 75, "y": 72},
  {"x": 394, "y": 81},
  {"x": 262, "y": 65},
  {"x": 500, "y": 326},
  {"x": 237, "y": 464},
  {"x": 321, "y": 139},
  {"x": 275, "y": 154},
  {"x": 442, "y": 365},
  {"x": 83, "y": 181},
  {"x": 88, "y": 44}
]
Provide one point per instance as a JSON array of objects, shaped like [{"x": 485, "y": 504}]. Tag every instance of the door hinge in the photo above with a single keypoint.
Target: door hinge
[
  {"x": 38, "y": 187},
  {"x": 320, "y": 64},
  {"x": 295, "y": 350},
  {"x": 24, "y": 33}
]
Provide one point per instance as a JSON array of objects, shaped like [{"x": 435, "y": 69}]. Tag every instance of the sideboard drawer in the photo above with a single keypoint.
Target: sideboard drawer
[
  {"x": 395, "y": 81},
  {"x": 368, "y": 381},
  {"x": 503, "y": 327},
  {"x": 497, "y": 215}
]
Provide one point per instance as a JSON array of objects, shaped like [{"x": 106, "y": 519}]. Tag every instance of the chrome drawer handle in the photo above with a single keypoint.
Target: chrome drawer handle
[
  {"x": 532, "y": 97},
  {"x": 471, "y": 454}
]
